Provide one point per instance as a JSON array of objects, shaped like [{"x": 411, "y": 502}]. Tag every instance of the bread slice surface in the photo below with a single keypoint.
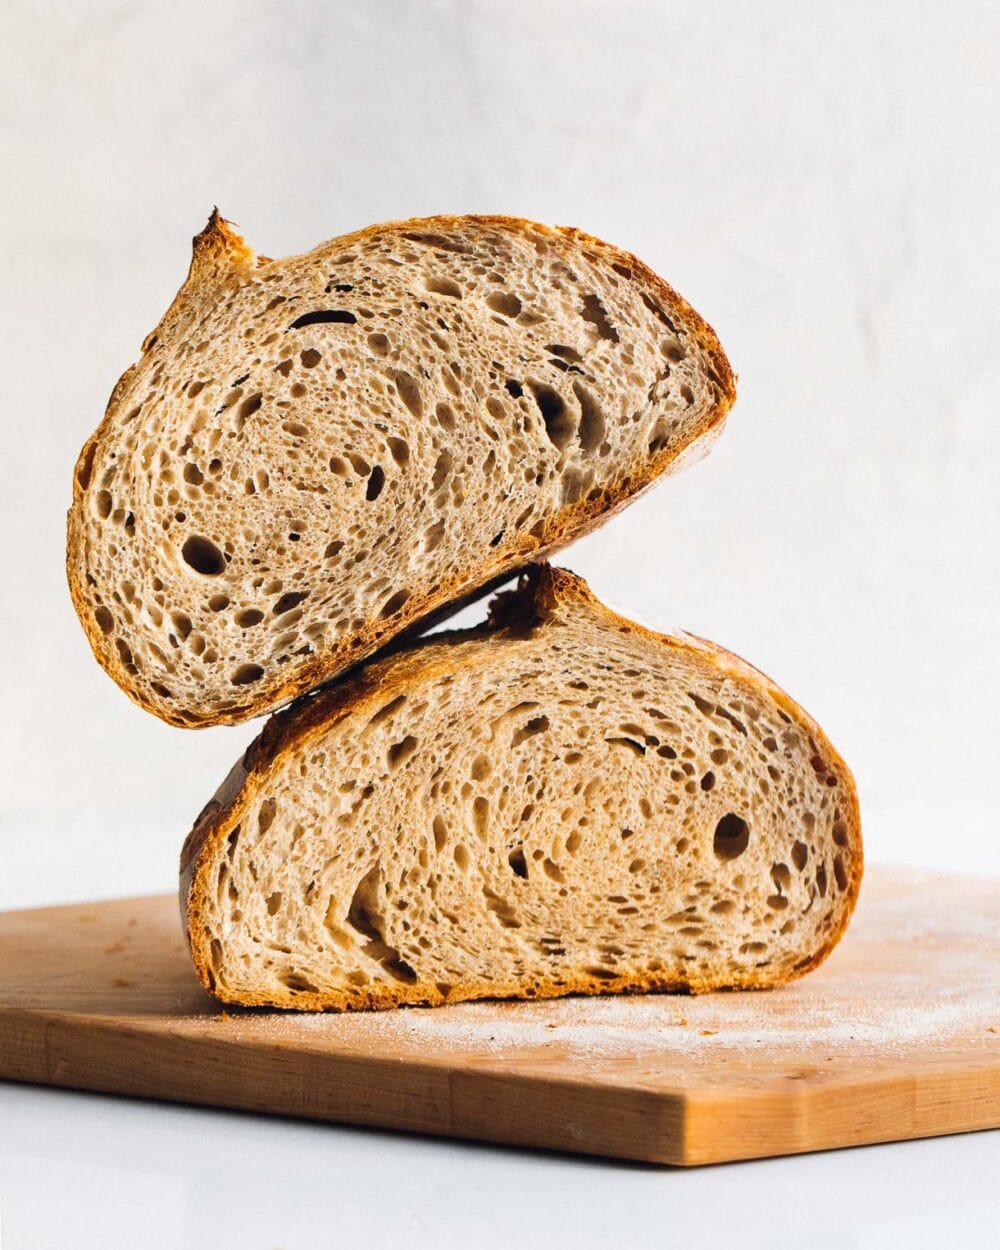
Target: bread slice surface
[
  {"x": 559, "y": 802},
  {"x": 314, "y": 453}
]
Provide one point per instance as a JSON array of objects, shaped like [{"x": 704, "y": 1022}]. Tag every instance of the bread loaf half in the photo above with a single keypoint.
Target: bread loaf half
[
  {"x": 313, "y": 453},
  {"x": 558, "y": 802}
]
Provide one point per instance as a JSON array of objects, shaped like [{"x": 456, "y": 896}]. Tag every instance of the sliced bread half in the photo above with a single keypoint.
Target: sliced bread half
[
  {"x": 314, "y": 453},
  {"x": 558, "y": 802}
]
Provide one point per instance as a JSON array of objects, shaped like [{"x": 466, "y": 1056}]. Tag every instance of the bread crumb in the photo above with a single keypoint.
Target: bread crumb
[{"x": 121, "y": 982}]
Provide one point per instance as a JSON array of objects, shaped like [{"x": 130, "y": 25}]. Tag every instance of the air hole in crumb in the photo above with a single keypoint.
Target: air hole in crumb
[
  {"x": 514, "y": 389},
  {"x": 565, "y": 353},
  {"x": 708, "y": 781},
  {"x": 393, "y": 604},
  {"x": 445, "y": 416},
  {"x": 441, "y": 469},
  {"x": 409, "y": 392},
  {"x": 400, "y": 450},
  {"x": 249, "y": 406},
  {"x": 273, "y": 902},
  {"x": 333, "y": 549},
  {"x": 334, "y": 316},
  {"x": 247, "y": 674},
  {"x": 310, "y": 358},
  {"x": 181, "y": 623},
  {"x": 593, "y": 313},
  {"x": 636, "y": 747},
  {"x": 839, "y": 873},
  {"x": 732, "y": 837},
  {"x": 800, "y": 853},
  {"x": 86, "y": 469},
  {"x": 248, "y": 617},
  {"x": 202, "y": 555},
  {"x": 659, "y": 436},
  {"x": 782, "y": 877},
  {"x": 433, "y": 535},
  {"x": 591, "y": 431},
  {"x": 553, "y": 871},
  {"x": 503, "y": 302},
  {"x": 104, "y": 619},
  {"x": 387, "y": 710},
  {"x": 266, "y": 815},
  {"x": 537, "y": 725},
  {"x": 375, "y": 483},
  {"x": 218, "y": 603},
  {"x": 559, "y": 424},
  {"x": 399, "y": 752},
  {"x": 379, "y": 344},
  {"x": 288, "y": 601},
  {"x": 439, "y": 285},
  {"x": 517, "y": 862},
  {"x": 602, "y": 974}
]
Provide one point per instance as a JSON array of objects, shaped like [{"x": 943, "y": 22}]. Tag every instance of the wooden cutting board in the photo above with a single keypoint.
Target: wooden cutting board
[{"x": 896, "y": 1036}]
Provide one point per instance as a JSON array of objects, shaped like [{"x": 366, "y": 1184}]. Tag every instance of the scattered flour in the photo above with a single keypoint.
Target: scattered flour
[{"x": 908, "y": 978}]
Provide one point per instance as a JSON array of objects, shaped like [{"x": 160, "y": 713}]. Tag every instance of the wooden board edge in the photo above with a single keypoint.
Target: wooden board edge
[
  {"x": 722, "y": 1127},
  {"x": 504, "y": 1108}
]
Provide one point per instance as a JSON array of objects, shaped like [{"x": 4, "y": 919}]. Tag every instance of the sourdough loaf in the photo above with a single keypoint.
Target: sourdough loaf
[
  {"x": 560, "y": 801},
  {"x": 314, "y": 453}
]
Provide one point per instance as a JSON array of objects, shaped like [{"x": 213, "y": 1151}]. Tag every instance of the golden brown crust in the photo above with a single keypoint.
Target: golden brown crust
[
  {"x": 541, "y": 588},
  {"x": 221, "y": 258}
]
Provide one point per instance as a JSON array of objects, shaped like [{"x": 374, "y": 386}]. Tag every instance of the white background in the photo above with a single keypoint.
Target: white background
[{"x": 819, "y": 180}]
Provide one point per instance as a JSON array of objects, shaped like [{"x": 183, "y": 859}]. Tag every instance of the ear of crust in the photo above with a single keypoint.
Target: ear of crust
[
  {"x": 548, "y": 614},
  {"x": 220, "y": 260}
]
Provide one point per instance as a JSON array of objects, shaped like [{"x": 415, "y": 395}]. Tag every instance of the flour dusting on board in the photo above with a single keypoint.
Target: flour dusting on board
[{"x": 874, "y": 995}]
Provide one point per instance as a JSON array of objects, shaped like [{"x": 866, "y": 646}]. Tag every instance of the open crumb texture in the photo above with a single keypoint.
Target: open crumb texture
[
  {"x": 558, "y": 801},
  {"x": 313, "y": 454}
]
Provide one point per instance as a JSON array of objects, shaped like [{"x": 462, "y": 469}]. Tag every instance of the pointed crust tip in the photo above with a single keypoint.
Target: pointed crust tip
[{"x": 220, "y": 240}]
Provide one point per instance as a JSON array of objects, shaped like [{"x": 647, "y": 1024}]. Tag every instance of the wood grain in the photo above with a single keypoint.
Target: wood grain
[{"x": 897, "y": 1036}]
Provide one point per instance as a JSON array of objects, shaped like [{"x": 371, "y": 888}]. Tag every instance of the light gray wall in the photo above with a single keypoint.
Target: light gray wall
[{"x": 820, "y": 181}]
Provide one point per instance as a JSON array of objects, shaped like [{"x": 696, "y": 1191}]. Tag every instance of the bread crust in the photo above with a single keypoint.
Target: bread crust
[
  {"x": 541, "y": 589},
  {"x": 221, "y": 259}
]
